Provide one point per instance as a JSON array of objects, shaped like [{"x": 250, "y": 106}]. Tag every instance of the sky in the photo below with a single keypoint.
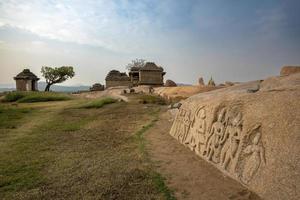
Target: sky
[{"x": 229, "y": 40}]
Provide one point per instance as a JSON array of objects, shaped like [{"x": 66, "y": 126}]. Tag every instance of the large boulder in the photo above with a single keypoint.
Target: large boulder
[
  {"x": 250, "y": 132},
  {"x": 201, "y": 81},
  {"x": 170, "y": 83},
  {"x": 287, "y": 70}
]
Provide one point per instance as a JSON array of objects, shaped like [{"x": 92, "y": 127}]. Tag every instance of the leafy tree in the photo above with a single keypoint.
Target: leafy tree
[
  {"x": 56, "y": 75},
  {"x": 136, "y": 63}
]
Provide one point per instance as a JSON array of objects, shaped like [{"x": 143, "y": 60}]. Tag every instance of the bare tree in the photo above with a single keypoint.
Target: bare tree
[{"x": 136, "y": 63}]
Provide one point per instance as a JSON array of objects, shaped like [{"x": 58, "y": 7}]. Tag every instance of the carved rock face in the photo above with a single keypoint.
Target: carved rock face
[{"x": 251, "y": 137}]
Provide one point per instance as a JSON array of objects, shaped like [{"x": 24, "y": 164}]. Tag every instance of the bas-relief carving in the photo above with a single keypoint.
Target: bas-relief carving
[
  {"x": 231, "y": 143},
  {"x": 213, "y": 143},
  {"x": 181, "y": 125},
  {"x": 196, "y": 137},
  {"x": 254, "y": 154},
  {"x": 223, "y": 142}
]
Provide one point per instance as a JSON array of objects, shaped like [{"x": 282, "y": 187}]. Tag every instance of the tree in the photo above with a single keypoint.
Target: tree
[
  {"x": 56, "y": 75},
  {"x": 136, "y": 63}
]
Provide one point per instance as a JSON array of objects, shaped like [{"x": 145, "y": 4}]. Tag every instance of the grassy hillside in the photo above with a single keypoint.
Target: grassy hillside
[
  {"x": 58, "y": 150},
  {"x": 31, "y": 97}
]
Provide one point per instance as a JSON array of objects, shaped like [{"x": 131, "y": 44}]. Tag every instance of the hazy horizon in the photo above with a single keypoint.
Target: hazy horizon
[{"x": 228, "y": 40}]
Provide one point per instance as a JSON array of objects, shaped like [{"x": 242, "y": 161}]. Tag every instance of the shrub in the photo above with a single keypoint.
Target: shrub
[
  {"x": 14, "y": 96},
  {"x": 31, "y": 97},
  {"x": 151, "y": 99}
]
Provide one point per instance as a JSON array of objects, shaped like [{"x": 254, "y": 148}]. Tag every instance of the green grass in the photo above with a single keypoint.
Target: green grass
[
  {"x": 157, "y": 179},
  {"x": 98, "y": 103},
  {"x": 31, "y": 97},
  {"x": 10, "y": 116},
  {"x": 71, "y": 153},
  {"x": 159, "y": 182}
]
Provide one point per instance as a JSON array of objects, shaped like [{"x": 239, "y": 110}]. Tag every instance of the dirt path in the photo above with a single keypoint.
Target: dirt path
[{"x": 188, "y": 175}]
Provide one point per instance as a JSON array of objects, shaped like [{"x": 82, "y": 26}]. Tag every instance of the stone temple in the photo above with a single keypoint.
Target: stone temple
[
  {"x": 26, "y": 81},
  {"x": 149, "y": 74},
  {"x": 115, "y": 78}
]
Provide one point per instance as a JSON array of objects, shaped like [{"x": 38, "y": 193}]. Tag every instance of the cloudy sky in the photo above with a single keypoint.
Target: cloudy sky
[{"x": 236, "y": 40}]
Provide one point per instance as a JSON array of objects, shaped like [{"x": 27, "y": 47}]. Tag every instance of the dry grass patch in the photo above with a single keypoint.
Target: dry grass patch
[{"x": 83, "y": 154}]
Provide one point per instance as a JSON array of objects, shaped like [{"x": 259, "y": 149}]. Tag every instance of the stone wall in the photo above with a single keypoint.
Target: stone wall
[
  {"x": 23, "y": 85},
  {"x": 117, "y": 83},
  {"x": 151, "y": 78},
  {"x": 250, "y": 132}
]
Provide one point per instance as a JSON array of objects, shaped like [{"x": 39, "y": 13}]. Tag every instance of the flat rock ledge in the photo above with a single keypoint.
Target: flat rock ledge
[{"x": 250, "y": 132}]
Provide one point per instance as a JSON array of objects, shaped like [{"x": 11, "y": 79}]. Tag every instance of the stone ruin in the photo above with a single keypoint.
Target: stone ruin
[
  {"x": 150, "y": 74},
  {"x": 170, "y": 83},
  {"x": 201, "y": 81},
  {"x": 115, "y": 78},
  {"x": 26, "y": 81},
  {"x": 211, "y": 82},
  {"x": 253, "y": 137},
  {"x": 97, "y": 87}
]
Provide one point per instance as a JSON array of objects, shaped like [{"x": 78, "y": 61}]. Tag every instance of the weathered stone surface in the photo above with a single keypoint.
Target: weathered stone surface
[
  {"x": 115, "y": 78},
  {"x": 170, "y": 83},
  {"x": 201, "y": 81},
  {"x": 228, "y": 83},
  {"x": 149, "y": 74},
  {"x": 26, "y": 81},
  {"x": 251, "y": 137},
  {"x": 211, "y": 83},
  {"x": 175, "y": 105},
  {"x": 97, "y": 87},
  {"x": 287, "y": 70}
]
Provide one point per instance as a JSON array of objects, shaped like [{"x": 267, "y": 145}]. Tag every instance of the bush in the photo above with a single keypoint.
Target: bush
[
  {"x": 31, "y": 97},
  {"x": 151, "y": 99},
  {"x": 14, "y": 96},
  {"x": 98, "y": 103}
]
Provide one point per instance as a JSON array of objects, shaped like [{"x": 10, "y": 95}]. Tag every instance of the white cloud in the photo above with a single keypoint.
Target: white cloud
[{"x": 97, "y": 23}]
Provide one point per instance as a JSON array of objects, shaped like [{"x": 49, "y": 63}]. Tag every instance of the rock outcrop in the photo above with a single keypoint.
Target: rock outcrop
[
  {"x": 211, "y": 83},
  {"x": 201, "y": 81},
  {"x": 170, "y": 83},
  {"x": 287, "y": 70},
  {"x": 252, "y": 137},
  {"x": 97, "y": 87}
]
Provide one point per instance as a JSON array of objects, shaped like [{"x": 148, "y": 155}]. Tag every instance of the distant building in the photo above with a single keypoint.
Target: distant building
[
  {"x": 97, "y": 87},
  {"x": 149, "y": 74},
  {"x": 26, "y": 81},
  {"x": 115, "y": 78}
]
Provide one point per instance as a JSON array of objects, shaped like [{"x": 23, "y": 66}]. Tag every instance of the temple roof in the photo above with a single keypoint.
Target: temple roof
[
  {"x": 26, "y": 74},
  {"x": 115, "y": 75},
  {"x": 150, "y": 66}
]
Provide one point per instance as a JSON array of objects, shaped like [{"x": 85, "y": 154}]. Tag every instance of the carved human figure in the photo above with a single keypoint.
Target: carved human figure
[
  {"x": 196, "y": 140},
  {"x": 231, "y": 141},
  {"x": 186, "y": 126},
  {"x": 178, "y": 123},
  {"x": 255, "y": 157},
  {"x": 213, "y": 145}
]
